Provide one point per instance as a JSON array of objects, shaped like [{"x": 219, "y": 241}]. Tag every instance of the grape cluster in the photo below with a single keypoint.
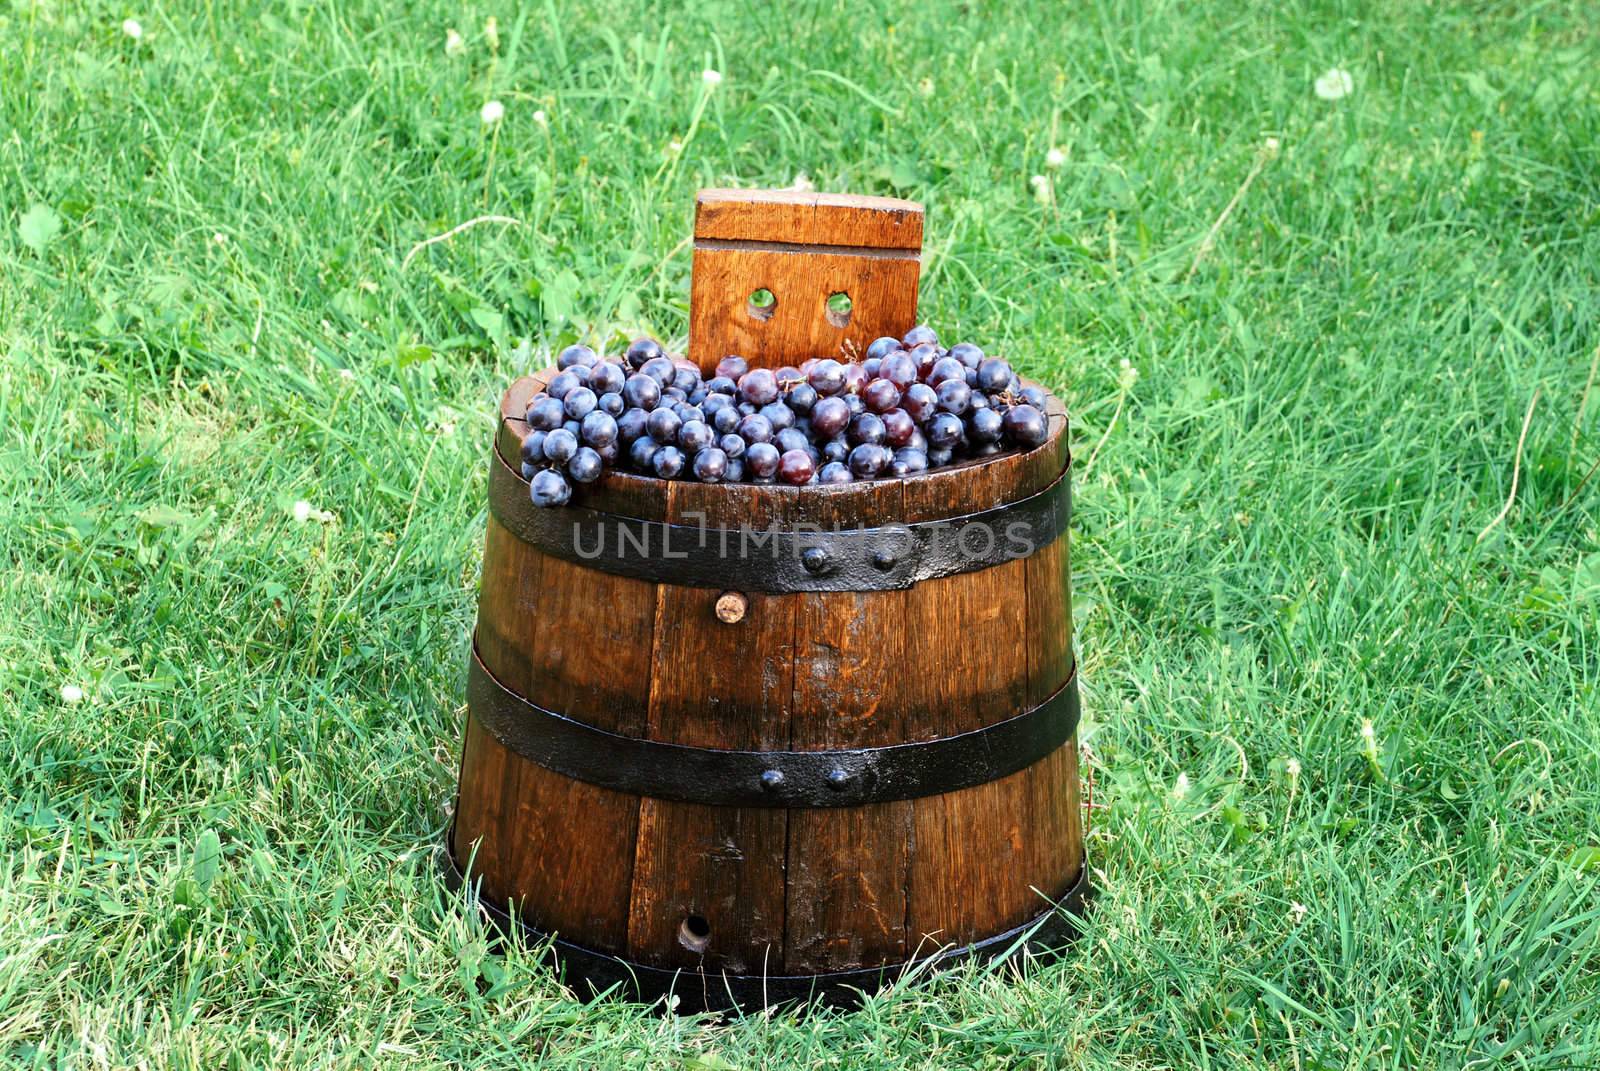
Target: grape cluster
[{"x": 908, "y": 406}]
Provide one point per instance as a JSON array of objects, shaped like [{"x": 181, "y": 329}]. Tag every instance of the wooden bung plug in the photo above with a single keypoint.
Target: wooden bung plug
[{"x": 731, "y": 607}]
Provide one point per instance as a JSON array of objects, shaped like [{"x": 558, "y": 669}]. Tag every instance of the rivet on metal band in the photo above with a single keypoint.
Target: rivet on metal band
[{"x": 836, "y": 778}]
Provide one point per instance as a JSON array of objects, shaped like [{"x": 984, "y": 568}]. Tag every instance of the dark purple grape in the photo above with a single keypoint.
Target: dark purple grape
[
  {"x": 529, "y": 469},
  {"x": 641, "y": 350},
  {"x": 870, "y": 366},
  {"x": 984, "y": 426},
  {"x": 759, "y": 386},
  {"x": 868, "y": 459},
  {"x": 1025, "y": 426},
  {"x": 560, "y": 445},
  {"x": 943, "y": 431},
  {"x": 969, "y": 355},
  {"x": 549, "y": 488},
  {"x": 599, "y": 428},
  {"x": 882, "y": 347},
  {"x": 545, "y": 413},
  {"x": 673, "y": 394},
  {"x": 829, "y": 416},
  {"x": 835, "y": 472},
  {"x": 642, "y": 391},
  {"x": 866, "y": 428},
  {"x": 802, "y": 398},
  {"x": 632, "y": 424},
  {"x": 721, "y": 385},
  {"x": 685, "y": 376},
  {"x": 796, "y": 467},
  {"x": 607, "y": 377},
  {"x": 898, "y": 368},
  {"x": 993, "y": 375},
  {"x": 979, "y": 400},
  {"x": 612, "y": 404},
  {"x": 1036, "y": 397},
  {"x": 946, "y": 368},
  {"x": 573, "y": 426},
  {"x": 881, "y": 395},
  {"x": 579, "y": 403},
  {"x": 787, "y": 376},
  {"x": 533, "y": 447},
  {"x": 687, "y": 412},
  {"x": 791, "y": 439},
  {"x": 954, "y": 396},
  {"x": 780, "y": 416},
  {"x": 855, "y": 378},
  {"x": 642, "y": 454},
  {"x": 756, "y": 428},
  {"x": 664, "y": 425},
  {"x": 920, "y": 335},
  {"x": 661, "y": 370},
  {"x": 585, "y": 466},
  {"x": 836, "y": 449},
  {"x": 898, "y": 427},
  {"x": 761, "y": 459},
  {"x": 713, "y": 402},
  {"x": 668, "y": 462},
  {"x": 732, "y": 367},
  {"x": 725, "y": 418},
  {"x": 939, "y": 457},
  {"x": 697, "y": 396},
  {"x": 918, "y": 441},
  {"x": 908, "y": 462},
  {"x": 986, "y": 449},
  {"x": 575, "y": 355},
  {"x": 921, "y": 401},
  {"x": 857, "y": 406},
  {"x": 694, "y": 436},
  {"x": 609, "y": 453},
  {"x": 710, "y": 465},
  {"x": 735, "y": 473},
  {"x": 731, "y": 445},
  {"x": 563, "y": 382},
  {"x": 827, "y": 377},
  {"x": 925, "y": 356}
]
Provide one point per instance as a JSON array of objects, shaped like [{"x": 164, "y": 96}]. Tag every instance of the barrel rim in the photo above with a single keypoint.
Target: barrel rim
[{"x": 949, "y": 490}]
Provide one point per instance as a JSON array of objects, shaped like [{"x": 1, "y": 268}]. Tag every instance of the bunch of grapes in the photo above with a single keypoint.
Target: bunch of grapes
[{"x": 908, "y": 406}]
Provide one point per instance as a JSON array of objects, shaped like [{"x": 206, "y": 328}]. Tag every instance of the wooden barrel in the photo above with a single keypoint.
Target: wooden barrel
[{"x": 788, "y": 768}]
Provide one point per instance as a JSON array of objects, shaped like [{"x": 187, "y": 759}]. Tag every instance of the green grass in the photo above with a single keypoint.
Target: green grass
[{"x": 220, "y": 857}]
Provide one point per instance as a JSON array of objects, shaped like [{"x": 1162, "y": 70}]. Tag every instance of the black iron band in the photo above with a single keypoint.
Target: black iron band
[
  {"x": 704, "y": 989},
  {"x": 845, "y": 778},
  {"x": 779, "y": 561}
]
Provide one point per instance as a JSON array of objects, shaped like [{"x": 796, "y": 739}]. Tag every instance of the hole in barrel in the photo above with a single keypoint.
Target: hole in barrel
[
  {"x": 761, "y": 304},
  {"x": 695, "y": 934},
  {"x": 839, "y": 308}
]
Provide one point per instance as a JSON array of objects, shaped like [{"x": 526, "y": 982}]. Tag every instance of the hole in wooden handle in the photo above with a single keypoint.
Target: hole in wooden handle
[
  {"x": 839, "y": 308},
  {"x": 761, "y": 304}
]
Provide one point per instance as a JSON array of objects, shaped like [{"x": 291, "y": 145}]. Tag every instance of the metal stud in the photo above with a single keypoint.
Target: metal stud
[
  {"x": 838, "y": 779},
  {"x": 815, "y": 559},
  {"x": 772, "y": 780}
]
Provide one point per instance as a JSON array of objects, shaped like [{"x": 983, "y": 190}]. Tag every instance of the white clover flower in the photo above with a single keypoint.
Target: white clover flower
[
  {"x": 1298, "y": 910},
  {"x": 1041, "y": 189},
  {"x": 302, "y": 511},
  {"x": 1293, "y": 768},
  {"x": 674, "y": 147},
  {"x": 925, "y": 87},
  {"x": 492, "y": 112},
  {"x": 1368, "y": 733},
  {"x": 1334, "y": 83},
  {"x": 1180, "y": 787},
  {"x": 491, "y": 33},
  {"x": 220, "y": 238},
  {"x": 802, "y": 182},
  {"x": 540, "y": 118},
  {"x": 1054, "y": 158},
  {"x": 132, "y": 28},
  {"x": 1271, "y": 146},
  {"x": 71, "y": 693},
  {"x": 346, "y": 375},
  {"x": 711, "y": 78},
  {"x": 1127, "y": 374},
  {"x": 454, "y": 43}
]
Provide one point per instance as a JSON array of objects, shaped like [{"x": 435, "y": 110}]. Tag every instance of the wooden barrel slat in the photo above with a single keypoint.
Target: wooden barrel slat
[
  {"x": 796, "y": 891},
  {"x": 723, "y": 686}
]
